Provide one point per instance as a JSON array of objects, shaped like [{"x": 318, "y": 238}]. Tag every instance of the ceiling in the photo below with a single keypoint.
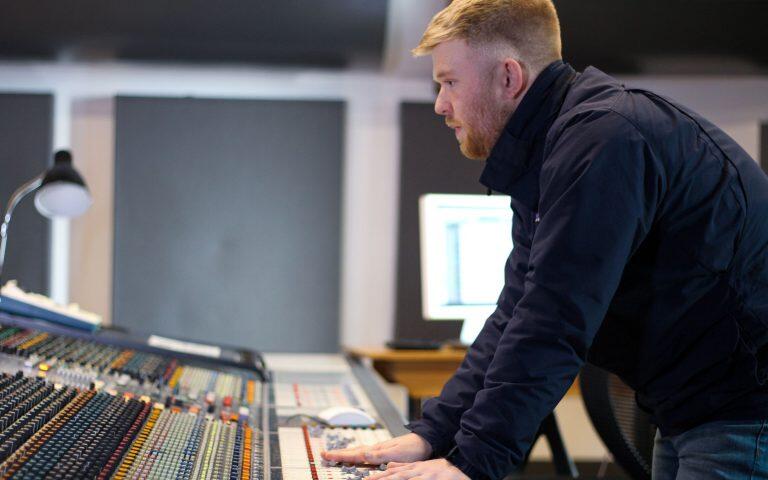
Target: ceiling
[
  {"x": 324, "y": 33},
  {"x": 650, "y": 36},
  {"x": 666, "y": 36}
]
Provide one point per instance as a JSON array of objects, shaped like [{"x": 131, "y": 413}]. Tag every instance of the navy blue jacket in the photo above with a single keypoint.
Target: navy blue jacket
[{"x": 640, "y": 232}]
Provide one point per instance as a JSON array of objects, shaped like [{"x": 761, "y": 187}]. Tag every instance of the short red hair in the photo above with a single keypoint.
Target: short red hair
[{"x": 529, "y": 28}]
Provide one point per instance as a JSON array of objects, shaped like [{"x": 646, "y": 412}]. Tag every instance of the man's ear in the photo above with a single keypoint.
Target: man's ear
[{"x": 514, "y": 78}]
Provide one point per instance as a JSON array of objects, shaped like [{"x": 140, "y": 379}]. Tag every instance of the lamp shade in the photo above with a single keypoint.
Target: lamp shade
[{"x": 62, "y": 192}]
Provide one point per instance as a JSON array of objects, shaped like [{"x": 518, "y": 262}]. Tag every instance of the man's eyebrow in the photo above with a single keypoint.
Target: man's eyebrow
[{"x": 442, "y": 74}]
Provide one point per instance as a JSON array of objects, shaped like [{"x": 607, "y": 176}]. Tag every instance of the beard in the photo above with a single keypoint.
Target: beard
[{"x": 484, "y": 121}]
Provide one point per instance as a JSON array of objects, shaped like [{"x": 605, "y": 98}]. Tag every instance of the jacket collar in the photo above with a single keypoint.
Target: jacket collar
[{"x": 520, "y": 144}]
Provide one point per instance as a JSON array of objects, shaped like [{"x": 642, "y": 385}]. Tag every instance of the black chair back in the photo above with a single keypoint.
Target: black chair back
[{"x": 624, "y": 428}]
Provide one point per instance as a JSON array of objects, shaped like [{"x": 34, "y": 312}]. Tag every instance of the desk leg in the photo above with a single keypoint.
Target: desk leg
[
  {"x": 560, "y": 459},
  {"x": 414, "y": 408}
]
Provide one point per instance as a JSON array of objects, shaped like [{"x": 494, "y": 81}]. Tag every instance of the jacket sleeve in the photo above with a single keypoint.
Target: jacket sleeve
[
  {"x": 600, "y": 185},
  {"x": 440, "y": 416}
]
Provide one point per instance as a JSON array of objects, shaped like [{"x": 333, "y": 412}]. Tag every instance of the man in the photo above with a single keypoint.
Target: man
[{"x": 640, "y": 243}]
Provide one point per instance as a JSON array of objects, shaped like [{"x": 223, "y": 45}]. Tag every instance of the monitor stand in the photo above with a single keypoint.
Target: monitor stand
[{"x": 471, "y": 327}]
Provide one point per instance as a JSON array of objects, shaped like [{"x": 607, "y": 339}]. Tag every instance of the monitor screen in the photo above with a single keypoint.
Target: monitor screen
[{"x": 465, "y": 242}]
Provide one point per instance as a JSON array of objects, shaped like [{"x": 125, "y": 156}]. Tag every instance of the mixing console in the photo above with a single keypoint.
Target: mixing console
[
  {"x": 317, "y": 396},
  {"x": 300, "y": 451},
  {"x": 85, "y": 364},
  {"x": 297, "y": 444},
  {"x": 182, "y": 446},
  {"x": 78, "y": 407}
]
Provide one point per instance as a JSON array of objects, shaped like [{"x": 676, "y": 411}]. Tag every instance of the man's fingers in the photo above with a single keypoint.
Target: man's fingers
[
  {"x": 331, "y": 454},
  {"x": 398, "y": 467},
  {"x": 376, "y": 456},
  {"x": 392, "y": 475},
  {"x": 372, "y": 454},
  {"x": 393, "y": 468},
  {"x": 378, "y": 475},
  {"x": 347, "y": 455}
]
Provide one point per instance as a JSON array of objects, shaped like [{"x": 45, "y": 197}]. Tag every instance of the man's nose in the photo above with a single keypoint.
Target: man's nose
[{"x": 442, "y": 106}]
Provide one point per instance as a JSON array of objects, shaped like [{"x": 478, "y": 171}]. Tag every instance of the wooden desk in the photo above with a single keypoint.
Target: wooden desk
[{"x": 422, "y": 372}]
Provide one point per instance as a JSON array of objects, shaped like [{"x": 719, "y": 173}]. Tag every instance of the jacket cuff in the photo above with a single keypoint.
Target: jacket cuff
[
  {"x": 459, "y": 461},
  {"x": 440, "y": 443}
]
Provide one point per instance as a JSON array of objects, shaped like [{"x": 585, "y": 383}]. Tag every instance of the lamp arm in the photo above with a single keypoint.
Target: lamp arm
[{"x": 17, "y": 196}]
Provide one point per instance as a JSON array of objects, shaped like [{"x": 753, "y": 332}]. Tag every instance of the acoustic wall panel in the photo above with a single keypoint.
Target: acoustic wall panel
[
  {"x": 431, "y": 163},
  {"x": 26, "y": 125},
  {"x": 227, "y": 220}
]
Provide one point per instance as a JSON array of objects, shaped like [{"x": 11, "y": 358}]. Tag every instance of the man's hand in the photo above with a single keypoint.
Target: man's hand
[
  {"x": 406, "y": 449},
  {"x": 438, "y": 469}
]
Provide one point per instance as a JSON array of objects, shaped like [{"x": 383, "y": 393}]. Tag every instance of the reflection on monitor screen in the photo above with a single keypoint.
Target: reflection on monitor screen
[{"x": 465, "y": 242}]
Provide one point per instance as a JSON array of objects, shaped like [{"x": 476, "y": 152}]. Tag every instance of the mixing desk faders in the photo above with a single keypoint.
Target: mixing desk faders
[
  {"x": 75, "y": 406},
  {"x": 316, "y": 396},
  {"x": 296, "y": 443},
  {"x": 300, "y": 451}
]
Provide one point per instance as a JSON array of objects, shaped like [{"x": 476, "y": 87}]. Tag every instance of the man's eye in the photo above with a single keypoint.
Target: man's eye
[{"x": 450, "y": 83}]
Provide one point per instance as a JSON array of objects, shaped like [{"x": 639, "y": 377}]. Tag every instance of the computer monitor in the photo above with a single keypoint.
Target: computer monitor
[{"x": 465, "y": 242}]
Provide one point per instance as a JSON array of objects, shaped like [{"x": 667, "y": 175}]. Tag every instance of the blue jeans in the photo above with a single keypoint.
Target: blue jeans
[{"x": 721, "y": 450}]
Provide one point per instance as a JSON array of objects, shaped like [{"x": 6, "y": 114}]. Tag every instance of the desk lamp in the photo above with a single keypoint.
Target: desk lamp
[{"x": 61, "y": 192}]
